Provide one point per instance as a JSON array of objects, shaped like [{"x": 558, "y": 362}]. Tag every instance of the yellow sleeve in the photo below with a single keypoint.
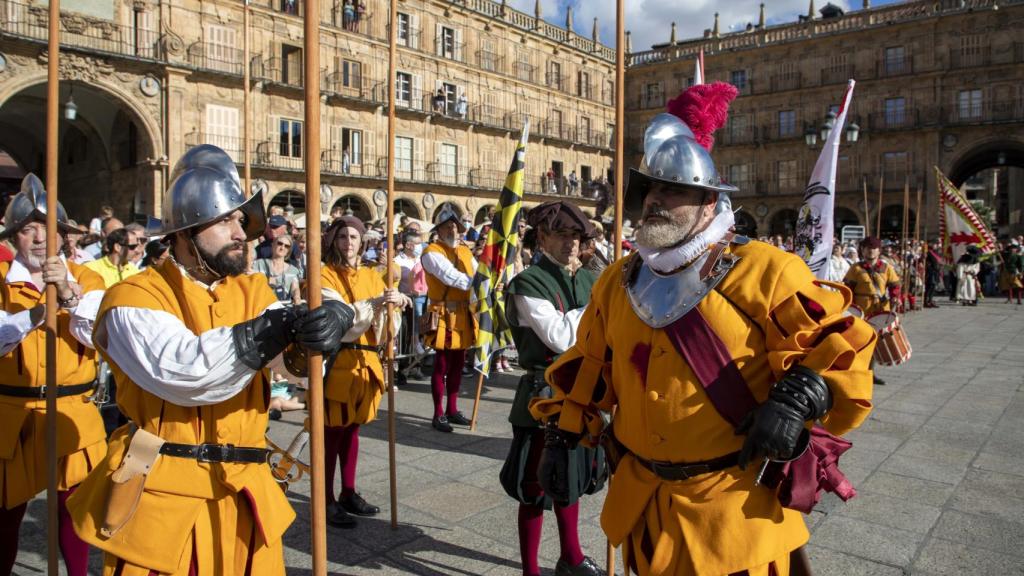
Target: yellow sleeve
[
  {"x": 891, "y": 277},
  {"x": 806, "y": 326},
  {"x": 580, "y": 379}
]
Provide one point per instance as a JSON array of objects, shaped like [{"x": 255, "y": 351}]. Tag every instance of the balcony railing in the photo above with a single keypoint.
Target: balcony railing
[
  {"x": 984, "y": 112},
  {"x": 29, "y": 21},
  {"x": 353, "y": 86},
  {"x": 654, "y": 100},
  {"x": 350, "y": 20},
  {"x": 556, "y": 81},
  {"x": 278, "y": 71},
  {"x": 736, "y": 136},
  {"x": 980, "y": 56},
  {"x": 450, "y": 50},
  {"x": 837, "y": 74},
  {"x": 489, "y": 61},
  {"x": 785, "y": 82},
  {"x": 216, "y": 58},
  {"x": 781, "y": 132},
  {"x": 290, "y": 7},
  {"x": 411, "y": 99},
  {"x": 525, "y": 72},
  {"x": 895, "y": 66}
]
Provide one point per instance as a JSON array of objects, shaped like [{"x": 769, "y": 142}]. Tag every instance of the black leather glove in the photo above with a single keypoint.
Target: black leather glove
[
  {"x": 260, "y": 340},
  {"x": 553, "y": 470},
  {"x": 321, "y": 329},
  {"x": 773, "y": 429}
]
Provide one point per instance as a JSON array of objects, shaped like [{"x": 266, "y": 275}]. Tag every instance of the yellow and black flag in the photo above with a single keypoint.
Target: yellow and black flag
[{"x": 501, "y": 248}]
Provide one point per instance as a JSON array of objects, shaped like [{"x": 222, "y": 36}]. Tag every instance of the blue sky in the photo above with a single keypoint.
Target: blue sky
[{"x": 650, "y": 20}]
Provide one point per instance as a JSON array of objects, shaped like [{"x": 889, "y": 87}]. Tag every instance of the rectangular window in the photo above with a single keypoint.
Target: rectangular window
[
  {"x": 896, "y": 61},
  {"x": 488, "y": 57},
  {"x": 739, "y": 129},
  {"x": 222, "y": 129},
  {"x": 446, "y": 43},
  {"x": 291, "y": 65},
  {"x": 787, "y": 174},
  {"x": 351, "y": 74},
  {"x": 290, "y": 138},
  {"x": 404, "y": 30},
  {"x": 555, "y": 75},
  {"x": 585, "y": 174},
  {"x": 652, "y": 95},
  {"x": 524, "y": 70},
  {"x": 352, "y": 143},
  {"x": 290, "y": 7},
  {"x": 969, "y": 104},
  {"x": 584, "y": 135},
  {"x": 403, "y": 157},
  {"x": 449, "y": 163},
  {"x": 971, "y": 51},
  {"x": 738, "y": 78},
  {"x": 583, "y": 84},
  {"x": 221, "y": 52},
  {"x": 895, "y": 112},
  {"x": 403, "y": 88},
  {"x": 739, "y": 175},
  {"x": 787, "y": 123},
  {"x": 555, "y": 124}
]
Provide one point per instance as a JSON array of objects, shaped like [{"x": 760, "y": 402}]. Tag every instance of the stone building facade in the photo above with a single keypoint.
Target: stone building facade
[
  {"x": 151, "y": 79},
  {"x": 939, "y": 83}
]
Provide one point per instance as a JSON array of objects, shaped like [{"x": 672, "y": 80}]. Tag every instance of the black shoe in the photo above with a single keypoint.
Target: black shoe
[
  {"x": 341, "y": 519},
  {"x": 879, "y": 381},
  {"x": 459, "y": 419},
  {"x": 414, "y": 374},
  {"x": 441, "y": 425},
  {"x": 275, "y": 414},
  {"x": 586, "y": 568},
  {"x": 355, "y": 504}
]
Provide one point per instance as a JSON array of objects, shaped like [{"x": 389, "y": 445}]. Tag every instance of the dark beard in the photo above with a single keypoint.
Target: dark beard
[{"x": 222, "y": 263}]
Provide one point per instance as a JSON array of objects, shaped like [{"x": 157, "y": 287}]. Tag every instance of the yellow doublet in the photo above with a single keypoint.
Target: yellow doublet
[
  {"x": 81, "y": 440},
  {"x": 867, "y": 286},
  {"x": 457, "y": 327},
  {"x": 356, "y": 382},
  {"x": 771, "y": 313},
  {"x": 189, "y": 507}
]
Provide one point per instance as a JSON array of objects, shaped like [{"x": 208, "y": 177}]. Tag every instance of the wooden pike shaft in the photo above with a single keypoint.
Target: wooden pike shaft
[
  {"x": 52, "y": 120},
  {"x": 867, "y": 210},
  {"x": 878, "y": 217},
  {"x": 246, "y": 83},
  {"x": 620, "y": 119},
  {"x": 311, "y": 78},
  {"x": 390, "y": 235}
]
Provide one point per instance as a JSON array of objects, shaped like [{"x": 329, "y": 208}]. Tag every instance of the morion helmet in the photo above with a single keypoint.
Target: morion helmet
[
  {"x": 204, "y": 188},
  {"x": 30, "y": 205}
]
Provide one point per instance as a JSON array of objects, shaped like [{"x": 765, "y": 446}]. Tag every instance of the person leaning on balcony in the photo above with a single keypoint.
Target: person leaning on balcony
[
  {"x": 449, "y": 267},
  {"x": 81, "y": 439}
]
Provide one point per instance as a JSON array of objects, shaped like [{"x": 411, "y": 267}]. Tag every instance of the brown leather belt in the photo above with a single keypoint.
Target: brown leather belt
[
  {"x": 672, "y": 471},
  {"x": 39, "y": 392},
  {"x": 216, "y": 453},
  {"x": 366, "y": 347}
]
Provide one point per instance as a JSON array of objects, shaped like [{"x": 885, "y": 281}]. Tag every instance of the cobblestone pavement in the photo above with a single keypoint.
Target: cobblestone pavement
[{"x": 939, "y": 467}]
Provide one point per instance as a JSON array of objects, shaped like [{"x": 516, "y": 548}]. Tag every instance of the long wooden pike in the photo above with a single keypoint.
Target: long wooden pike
[
  {"x": 247, "y": 85},
  {"x": 620, "y": 171},
  {"x": 867, "y": 210},
  {"x": 52, "y": 119},
  {"x": 311, "y": 79},
  {"x": 878, "y": 217},
  {"x": 390, "y": 235},
  {"x": 902, "y": 259}
]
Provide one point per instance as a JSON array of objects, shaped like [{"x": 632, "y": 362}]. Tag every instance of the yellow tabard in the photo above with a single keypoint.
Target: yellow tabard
[
  {"x": 179, "y": 492},
  {"x": 457, "y": 327},
  {"x": 771, "y": 313},
  {"x": 356, "y": 382},
  {"x": 867, "y": 286},
  {"x": 81, "y": 440}
]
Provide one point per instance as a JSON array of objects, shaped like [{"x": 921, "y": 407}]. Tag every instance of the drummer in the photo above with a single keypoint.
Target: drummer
[{"x": 874, "y": 282}]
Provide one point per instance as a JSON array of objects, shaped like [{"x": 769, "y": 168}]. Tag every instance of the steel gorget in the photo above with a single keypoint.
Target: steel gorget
[{"x": 661, "y": 299}]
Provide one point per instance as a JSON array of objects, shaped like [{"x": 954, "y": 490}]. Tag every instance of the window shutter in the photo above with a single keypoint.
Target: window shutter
[
  {"x": 369, "y": 156},
  {"x": 458, "y": 45},
  {"x": 462, "y": 165},
  {"x": 438, "y": 44},
  {"x": 414, "y": 31},
  {"x": 416, "y": 98},
  {"x": 417, "y": 158}
]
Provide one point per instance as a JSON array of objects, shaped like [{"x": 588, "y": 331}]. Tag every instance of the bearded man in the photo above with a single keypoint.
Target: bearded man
[
  {"x": 81, "y": 441},
  {"x": 719, "y": 353},
  {"x": 185, "y": 488},
  {"x": 449, "y": 267}
]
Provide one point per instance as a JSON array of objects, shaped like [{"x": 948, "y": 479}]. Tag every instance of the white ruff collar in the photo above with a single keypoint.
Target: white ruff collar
[{"x": 666, "y": 260}]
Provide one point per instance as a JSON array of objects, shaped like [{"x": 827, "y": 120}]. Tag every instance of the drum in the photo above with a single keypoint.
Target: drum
[
  {"x": 892, "y": 348},
  {"x": 854, "y": 311}
]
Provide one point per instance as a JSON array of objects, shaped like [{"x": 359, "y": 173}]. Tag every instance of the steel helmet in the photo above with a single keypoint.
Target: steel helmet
[
  {"x": 673, "y": 156},
  {"x": 446, "y": 214},
  {"x": 30, "y": 205},
  {"x": 204, "y": 188}
]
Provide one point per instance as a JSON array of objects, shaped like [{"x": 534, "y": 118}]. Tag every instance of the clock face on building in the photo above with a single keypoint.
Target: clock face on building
[
  {"x": 380, "y": 198},
  {"x": 428, "y": 200},
  {"x": 259, "y": 186},
  {"x": 761, "y": 210},
  {"x": 949, "y": 140},
  {"x": 325, "y": 193}
]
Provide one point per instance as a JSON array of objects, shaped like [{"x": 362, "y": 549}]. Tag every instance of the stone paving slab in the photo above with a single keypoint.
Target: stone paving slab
[{"x": 939, "y": 466}]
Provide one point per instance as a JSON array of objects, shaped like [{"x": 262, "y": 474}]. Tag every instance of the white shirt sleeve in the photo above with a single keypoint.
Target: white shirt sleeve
[
  {"x": 363, "y": 319},
  {"x": 159, "y": 353},
  {"x": 84, "y": 315},
  {"x": 555, "y": 329},
  {"x": 441, "y": 268},
  {"x": 14, "y": 328}
]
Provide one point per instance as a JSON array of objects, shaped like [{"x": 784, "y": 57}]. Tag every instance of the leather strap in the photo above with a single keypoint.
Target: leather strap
[
  {"x": 673, "y": 471},
  {"x": 39, "y": 392},
  {"x": 366, "y": 347},
  {"x": 716, "y": 254},
  {"x": 216, "y": 453}
]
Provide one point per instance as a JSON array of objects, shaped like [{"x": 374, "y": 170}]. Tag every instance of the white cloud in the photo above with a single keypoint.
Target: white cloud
[{"x": 650, "y": 21}]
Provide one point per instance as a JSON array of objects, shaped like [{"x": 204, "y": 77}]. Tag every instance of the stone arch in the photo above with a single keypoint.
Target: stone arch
[
  {"x": 354, "y": 203},
  {"x": 990, "y": 153},
  {"x": 483, "y": 213},
  {"x": 407, "y": 207},
  {"x": 296, "y": 198},
  {"x": 746, "y": 224},
  {"x": 783, "y": 223},
  {"x": 454, "y": 205},
  {"x": 892, "y": 222},
  {"x": 844, "y": 216},
  {"x": 111, "y": 153}
]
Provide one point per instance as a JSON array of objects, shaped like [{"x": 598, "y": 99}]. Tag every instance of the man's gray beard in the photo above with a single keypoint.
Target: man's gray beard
[
  {"x": 663, "y": 234},
  {"x": 451, "y": 243}
]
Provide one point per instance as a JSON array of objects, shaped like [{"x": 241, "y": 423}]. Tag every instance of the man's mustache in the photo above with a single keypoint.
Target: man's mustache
[{"x": 657, "y": 212}]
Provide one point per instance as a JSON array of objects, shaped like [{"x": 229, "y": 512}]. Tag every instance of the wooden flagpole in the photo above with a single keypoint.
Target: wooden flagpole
[
  {"x": 311, "y": 79},
  {"x": 390, "y": 235},
  {"x": 867, "y": 210},
  {"x": 620, "y": 173},
  {"x": 904, "y": 281},
  {"x": 878, "y": 217},
  {"x": 52, "y": 120}
]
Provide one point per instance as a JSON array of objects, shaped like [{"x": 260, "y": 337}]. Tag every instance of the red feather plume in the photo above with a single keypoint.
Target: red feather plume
[{"x": 704, "y": 108}]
